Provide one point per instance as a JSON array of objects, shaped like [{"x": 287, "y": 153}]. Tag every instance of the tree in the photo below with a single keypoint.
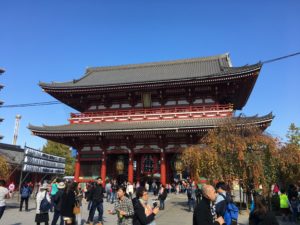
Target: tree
[
  {"x": 293, "y": 135},
  {"x": 5, "y": 168},
  {"x": 230, "y": 152},
  {"x": 61, "y": 150}
]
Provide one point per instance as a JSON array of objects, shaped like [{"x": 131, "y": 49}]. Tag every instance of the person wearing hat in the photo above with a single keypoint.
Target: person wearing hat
[
  {"x": 57, "y": 204},
  {"x": 42, "y": 217}
]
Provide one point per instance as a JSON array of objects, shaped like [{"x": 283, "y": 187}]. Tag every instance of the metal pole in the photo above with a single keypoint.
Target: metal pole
[
  {"x": 20, "y": 182},
  {"x": 13, "y": 171}
]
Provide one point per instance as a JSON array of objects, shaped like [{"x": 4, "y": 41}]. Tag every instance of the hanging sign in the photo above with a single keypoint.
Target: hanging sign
[{"x": 39, "y": 162}]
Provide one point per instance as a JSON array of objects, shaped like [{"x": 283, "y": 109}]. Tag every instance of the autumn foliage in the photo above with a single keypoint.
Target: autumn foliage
[
  {"x": 243, "y": 153},
  {"x": 5, "y": 168}
]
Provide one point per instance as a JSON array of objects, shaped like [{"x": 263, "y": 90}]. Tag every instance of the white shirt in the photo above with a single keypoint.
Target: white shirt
[
  {"x": 129, "y": 189},
  {"x": 220, "y": 197},
  {"x": 39, "y": 197},
  {"x": 3, "y": 193}
]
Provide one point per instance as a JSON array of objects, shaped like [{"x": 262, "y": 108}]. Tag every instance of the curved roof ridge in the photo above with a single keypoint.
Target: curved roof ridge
[{"x": 159, "y": 63}]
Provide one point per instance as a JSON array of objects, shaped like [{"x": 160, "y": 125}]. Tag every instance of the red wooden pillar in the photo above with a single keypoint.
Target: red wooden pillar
[
  {"x": 130, "y": 166},
  {"x": 138, "y": 168},
  {"x": 77, "y": 168},
  {"x": 103, "y": 168},
  {"x": 162, "y": 167}
]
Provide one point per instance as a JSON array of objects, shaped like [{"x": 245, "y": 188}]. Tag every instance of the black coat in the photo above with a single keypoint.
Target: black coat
[
  {"x": 164, "y": 195},
  {"x": 67, "y": 204},
  {"x": 57, "y": 199},
  {"x": 139, "y": 217},
  {"x": 96, "y": 194},
  {"x": 202, "y": 213},
  {"x": 258, "y": 219}
]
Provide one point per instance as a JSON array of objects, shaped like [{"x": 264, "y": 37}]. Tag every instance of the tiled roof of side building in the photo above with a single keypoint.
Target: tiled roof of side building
[
  {"x": 107, "y": 127},
  {"x": 154, "y": 72}
]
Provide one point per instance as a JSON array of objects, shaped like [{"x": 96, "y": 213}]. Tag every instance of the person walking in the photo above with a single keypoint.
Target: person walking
[
  {"x": 78, "y": 203},
  {"x": 144, "y": 214},
  {"x": 204, "y": 213},
  {"x": 123, "y": 208},
  {"x": 129, "y": 190},
  {"x": 284, "y": 205},
  {"x": 108, "y": 191},
  {"x": 4, "y": 193},
  {"x": 54, "y": 190},
  {"x": 25, "y": 194},
  {"x": 114, "y": 188},
  {"x": 260, "y": 215},
  {"x": 42, "y": 216},
  {"x": 57, "y": 201},
  {"x": 68, "y": 203},
  {"x": 162, "y": 197},
  {"x": 96, "y": 197}
]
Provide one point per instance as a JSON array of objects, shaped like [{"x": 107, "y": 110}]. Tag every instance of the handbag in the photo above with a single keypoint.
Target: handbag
[{"x": 76, "y": 209}]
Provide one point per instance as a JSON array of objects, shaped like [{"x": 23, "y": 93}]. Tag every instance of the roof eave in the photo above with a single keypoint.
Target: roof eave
[{"x": 49, "y": 87}]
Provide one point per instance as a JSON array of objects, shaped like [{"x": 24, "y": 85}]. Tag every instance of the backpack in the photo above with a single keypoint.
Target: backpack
[
  {"x": 25, "y": 192},
  {"x": 45, "y": 205},
  {"x": 231, "y": 212}
]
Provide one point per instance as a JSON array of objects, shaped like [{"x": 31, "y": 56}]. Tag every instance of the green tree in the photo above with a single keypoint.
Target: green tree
[
  {"x": 293, "y": 135},
  {"x": 5, "y": 168},
  {"x": 61, "y": 150}
]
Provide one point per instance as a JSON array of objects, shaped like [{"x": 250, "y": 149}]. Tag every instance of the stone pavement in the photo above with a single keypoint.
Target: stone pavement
[{"x": 176, "y": 212}]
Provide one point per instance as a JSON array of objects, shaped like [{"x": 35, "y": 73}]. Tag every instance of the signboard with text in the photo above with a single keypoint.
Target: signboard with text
[{"x": 39, "y": 162}]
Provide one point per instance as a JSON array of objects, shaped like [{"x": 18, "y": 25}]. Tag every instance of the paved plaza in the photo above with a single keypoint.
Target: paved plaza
[{"x": 176, "y": 212}]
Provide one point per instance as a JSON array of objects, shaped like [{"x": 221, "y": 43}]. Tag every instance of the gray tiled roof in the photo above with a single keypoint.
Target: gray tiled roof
[
  {"x": 14, "y": 154},
  {"x": 154, "y": 72},
  {"x": 108, "y": 127}
]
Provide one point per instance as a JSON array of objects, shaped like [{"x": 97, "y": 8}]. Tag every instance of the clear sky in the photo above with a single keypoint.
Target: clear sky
[{"x": 53, "y": 40}]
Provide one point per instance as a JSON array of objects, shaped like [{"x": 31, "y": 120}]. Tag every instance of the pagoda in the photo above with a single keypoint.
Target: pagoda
[{"x": 134, "y": 120}]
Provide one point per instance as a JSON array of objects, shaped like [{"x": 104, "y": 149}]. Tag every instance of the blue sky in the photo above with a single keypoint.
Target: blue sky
[{"x": 57, "y": 40}]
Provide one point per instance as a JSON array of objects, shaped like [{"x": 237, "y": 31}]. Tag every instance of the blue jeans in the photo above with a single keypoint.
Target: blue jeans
[
  {"x": 56, "y": 217},
  {"x": 191, "y": 203},
  {"x": 108, "y": 195},
  {"x": 113, "y": 197},
  {"x": 162, "y": 204},
  {"x": 99, "y": 207},
  {"x": 2, "y": 208}
]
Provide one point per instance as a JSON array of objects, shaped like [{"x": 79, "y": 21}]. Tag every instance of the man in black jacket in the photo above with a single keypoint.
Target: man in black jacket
[
  {"x": 96, "y": 197},
  {"x": 204, "y": 213}
]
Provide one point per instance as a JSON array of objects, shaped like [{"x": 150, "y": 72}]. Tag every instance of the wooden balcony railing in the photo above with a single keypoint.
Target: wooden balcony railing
[{"x": 153, "y": 113}]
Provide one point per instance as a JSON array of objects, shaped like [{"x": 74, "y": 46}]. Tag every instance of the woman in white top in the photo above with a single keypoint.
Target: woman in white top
[
  {"x": 42, "y": 217},
  {"x": 129, "y": 190},
  {"x": 3, "y": 196}
]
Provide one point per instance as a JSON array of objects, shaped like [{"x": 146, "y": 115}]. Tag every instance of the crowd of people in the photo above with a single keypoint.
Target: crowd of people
[{"x": 131, "y": 205}]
